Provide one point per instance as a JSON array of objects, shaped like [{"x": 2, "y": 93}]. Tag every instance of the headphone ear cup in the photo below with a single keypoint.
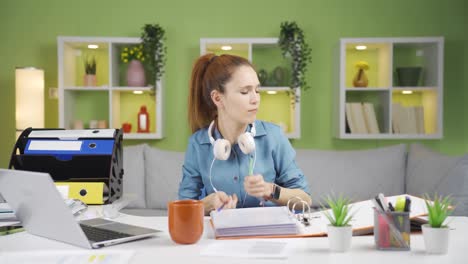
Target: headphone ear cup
[
  {"x": 222, "y": 149},
  {"x": 246, "y": 143}
]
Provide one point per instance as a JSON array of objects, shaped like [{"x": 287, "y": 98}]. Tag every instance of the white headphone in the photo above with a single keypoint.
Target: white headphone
[{"x": 222, "y": 147}]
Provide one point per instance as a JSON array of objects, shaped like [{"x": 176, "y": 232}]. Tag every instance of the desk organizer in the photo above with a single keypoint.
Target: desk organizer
[
  {"x": 392, "y": 230},
  {"x": 74, "y": 156}
]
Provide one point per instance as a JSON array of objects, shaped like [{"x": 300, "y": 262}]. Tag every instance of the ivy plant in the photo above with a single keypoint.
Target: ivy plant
[
  {"x": 155, "y": 51},
  {"x": 293, "y": 45}
]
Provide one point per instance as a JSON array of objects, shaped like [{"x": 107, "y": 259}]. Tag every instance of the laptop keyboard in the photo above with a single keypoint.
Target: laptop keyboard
[{"x": 98, "y": 234}]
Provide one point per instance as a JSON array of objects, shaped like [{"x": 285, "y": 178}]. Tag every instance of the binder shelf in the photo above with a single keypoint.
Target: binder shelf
[{"x": 72, "y": 156}]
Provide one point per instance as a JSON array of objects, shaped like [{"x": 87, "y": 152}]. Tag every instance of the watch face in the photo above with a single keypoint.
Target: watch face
[{"x": 277, "y": 192}]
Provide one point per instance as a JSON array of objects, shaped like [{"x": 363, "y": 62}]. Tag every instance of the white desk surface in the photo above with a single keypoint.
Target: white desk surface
[{"x": 162, "y": 249}]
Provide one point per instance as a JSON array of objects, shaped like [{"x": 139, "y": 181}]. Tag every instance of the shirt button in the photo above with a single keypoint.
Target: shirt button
[{"x": 236, "y": 178}]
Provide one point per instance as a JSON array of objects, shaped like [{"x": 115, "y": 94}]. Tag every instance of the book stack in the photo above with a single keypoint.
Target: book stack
[
  {"x": 361, "y": 118},
  {"x": 407, "y": 119}
]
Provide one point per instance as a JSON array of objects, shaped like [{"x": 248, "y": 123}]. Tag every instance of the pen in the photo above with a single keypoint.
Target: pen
[
  {"x": 383, "y": 202},
  {"x": 407, "y": 207},
  {"x": 221, "y": 207}
]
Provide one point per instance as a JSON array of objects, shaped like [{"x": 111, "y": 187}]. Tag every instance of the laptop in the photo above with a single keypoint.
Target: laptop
[{"x": 42, "y": 211}]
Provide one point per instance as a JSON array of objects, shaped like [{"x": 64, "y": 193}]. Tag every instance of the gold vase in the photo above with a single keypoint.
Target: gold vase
[{"x": 360, "y": 80}]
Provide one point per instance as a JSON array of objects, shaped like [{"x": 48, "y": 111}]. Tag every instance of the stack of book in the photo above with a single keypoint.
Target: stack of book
[
  {"x": 361, "y": 118},
  {"x": 407, "y": 119}
]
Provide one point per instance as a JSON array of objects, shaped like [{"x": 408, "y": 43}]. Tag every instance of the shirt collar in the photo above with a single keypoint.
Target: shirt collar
[{"x": 260, "y": 131}]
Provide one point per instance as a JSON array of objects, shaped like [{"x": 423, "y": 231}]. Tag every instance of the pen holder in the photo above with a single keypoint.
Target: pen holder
[{"x": 392, "y": 230}]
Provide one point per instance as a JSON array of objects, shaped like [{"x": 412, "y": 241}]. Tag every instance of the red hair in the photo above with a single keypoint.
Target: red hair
[{"x": 210, "y": 72}]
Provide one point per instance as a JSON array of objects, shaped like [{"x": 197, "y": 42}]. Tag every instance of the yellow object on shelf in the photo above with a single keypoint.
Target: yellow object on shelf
[{"x": 87, "y": 192}]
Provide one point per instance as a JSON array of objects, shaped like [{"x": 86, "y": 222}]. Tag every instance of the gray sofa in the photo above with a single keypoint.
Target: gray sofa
[{"x": 152, "y": 175}]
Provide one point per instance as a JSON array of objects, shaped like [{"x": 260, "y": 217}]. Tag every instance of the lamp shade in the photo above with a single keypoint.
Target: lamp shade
[{"x": 29, "y": 83}]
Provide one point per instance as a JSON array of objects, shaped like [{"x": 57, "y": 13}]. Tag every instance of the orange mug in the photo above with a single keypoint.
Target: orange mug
[{"x": 186, "y": 219}]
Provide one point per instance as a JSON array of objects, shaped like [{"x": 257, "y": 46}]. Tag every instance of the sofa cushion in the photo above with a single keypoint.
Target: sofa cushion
[
  {"x": 429, "y": 172},
  {"x": 357, "y": 174},
  {"x": 134, "y": 175},
  {"x": 163, "y": 173}
]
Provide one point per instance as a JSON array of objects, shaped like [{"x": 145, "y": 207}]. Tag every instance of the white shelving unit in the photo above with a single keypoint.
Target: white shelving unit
[
  {"x": 279, "y": 104},
  {"x": 401, "y": 111},
  {"x": 110, "y": 99}
]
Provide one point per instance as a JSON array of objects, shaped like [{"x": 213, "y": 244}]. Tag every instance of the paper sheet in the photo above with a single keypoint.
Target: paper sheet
[
  {"x": 250, "y": 248},
  {"x": 67, "y": 257}
]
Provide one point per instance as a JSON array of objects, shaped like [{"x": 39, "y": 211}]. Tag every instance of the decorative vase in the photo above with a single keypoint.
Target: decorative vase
[
  {"x": 408, "y": 76},
  {"x": 136, "y": 74},
  {"x": 435, "y": 239},
  {"x": 89, "y": 80},
  {"x": 360, "y": 80},
  {"x": 339, "y": 238}
]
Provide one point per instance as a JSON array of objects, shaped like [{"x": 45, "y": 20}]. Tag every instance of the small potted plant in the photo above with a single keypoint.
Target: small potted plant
[
  {"x": 340, "y": 231},
  {"x": 89, "y": 78},
  {"x": 436, "y": 232}
]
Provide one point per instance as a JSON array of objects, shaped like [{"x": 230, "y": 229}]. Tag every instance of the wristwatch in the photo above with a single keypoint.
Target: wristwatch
[{"x": 276, "y": 192}]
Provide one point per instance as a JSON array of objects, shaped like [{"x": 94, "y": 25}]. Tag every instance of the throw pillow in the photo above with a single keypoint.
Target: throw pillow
[
  {"x": 429, "y": 172},
  {"x": 163, "y": 174},
  {"x": 134, "y": 175},
  {"x": 357, "y": 174}
]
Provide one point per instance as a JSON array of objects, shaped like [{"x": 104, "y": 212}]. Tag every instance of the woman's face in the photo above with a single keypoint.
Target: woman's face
[{"x": 241, "y": 97}]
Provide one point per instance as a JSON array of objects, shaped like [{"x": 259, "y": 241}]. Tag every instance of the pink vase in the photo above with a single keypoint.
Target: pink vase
[{"x": 136, "y": 74}]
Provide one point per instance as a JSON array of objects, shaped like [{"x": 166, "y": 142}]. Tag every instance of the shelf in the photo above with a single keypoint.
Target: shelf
[
  {"x": 140, "y": 136},
  {"x": 111, "y": 99},
  {"x": 279, "y": 103},
  {"x": 87, "y": 88},
  {"x": 399, "y": 101}
]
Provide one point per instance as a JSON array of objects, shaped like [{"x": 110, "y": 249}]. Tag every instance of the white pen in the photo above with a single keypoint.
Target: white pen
[{"x": 383, "y": 201}]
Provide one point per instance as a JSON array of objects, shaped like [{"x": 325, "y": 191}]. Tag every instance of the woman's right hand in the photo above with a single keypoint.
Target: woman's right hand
[{"x": 217, "y": 200}]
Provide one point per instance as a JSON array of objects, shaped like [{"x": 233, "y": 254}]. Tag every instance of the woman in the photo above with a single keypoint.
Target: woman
[{"x": 234, "y": 160}]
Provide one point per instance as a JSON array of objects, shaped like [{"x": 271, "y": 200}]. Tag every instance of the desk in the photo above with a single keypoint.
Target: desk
[{"x": 161, "y": 249}]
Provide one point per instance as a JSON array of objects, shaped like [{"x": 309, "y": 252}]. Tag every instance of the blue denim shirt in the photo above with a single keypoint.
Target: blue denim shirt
[{"x": 275, "y": 160}]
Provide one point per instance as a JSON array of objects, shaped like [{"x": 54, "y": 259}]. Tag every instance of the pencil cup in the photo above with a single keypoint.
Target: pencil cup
[
  {"x": 186, "y": 219},
  {"x": 392, "y": 230}
]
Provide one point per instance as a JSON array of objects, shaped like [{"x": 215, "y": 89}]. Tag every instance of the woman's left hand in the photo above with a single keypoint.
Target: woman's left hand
[{"x": 255, "y": 186}]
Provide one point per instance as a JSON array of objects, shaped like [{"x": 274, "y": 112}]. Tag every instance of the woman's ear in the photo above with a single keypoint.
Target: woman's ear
[{"x": 216, "y": 97}]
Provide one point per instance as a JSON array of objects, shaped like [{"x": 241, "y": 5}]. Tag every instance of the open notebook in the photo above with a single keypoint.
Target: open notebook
[{"x": 277, "y": 222}]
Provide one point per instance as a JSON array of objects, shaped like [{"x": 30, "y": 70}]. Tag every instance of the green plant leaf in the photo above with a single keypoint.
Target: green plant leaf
[
  {"x": 438, "y": 209},
  {"x": 339, "y": 212}
]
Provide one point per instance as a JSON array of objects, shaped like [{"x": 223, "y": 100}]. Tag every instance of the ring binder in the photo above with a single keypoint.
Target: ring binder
[{"x": 303, "y": 216}]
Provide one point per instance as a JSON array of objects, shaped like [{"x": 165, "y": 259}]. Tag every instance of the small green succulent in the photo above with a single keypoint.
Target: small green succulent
[
  {"x": 438, "y": 210},
  {"x": 339, "y": 213}
]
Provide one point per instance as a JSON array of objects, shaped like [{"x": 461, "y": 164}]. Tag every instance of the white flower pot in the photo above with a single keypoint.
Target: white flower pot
[
  {"x": 339, "y": 237},
  {"x": 435, "y": 239}
]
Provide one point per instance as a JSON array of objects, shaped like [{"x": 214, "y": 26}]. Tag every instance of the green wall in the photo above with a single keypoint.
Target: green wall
[{"x": 29, "y": 31}]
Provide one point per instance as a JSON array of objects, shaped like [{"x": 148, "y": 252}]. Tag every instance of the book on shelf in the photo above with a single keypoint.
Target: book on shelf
[
  {"x": 408, "y": 119},
  {"x": 349, "y": 119},
  {"x": 371, "y": 119},
  {"x": 357, "y": 114},
  {"x": 279, "y": 222},
  {"x": 361, "y": 118}
]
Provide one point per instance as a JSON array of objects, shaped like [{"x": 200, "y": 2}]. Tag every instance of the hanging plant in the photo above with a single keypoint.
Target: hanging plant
[
  {"x": 293, "y": 45},
  {"x": 153, "y": 47}
]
